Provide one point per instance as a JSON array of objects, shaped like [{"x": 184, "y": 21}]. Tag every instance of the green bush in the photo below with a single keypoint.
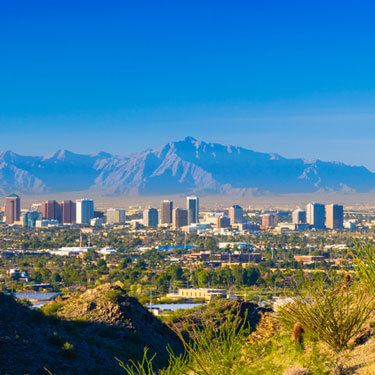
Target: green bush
[
  {"x": 68, "y": 350},
  {"x": 364, "y": 260},
  {"x": 51, "y": 308},
  {"x": 215, "y": 349},
  {"x": 113, "y": 295},
  {"x": 333, "y": 315}
]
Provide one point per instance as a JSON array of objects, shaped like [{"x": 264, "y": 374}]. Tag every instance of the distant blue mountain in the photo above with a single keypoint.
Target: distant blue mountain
[{"x": 179, "y": 167}]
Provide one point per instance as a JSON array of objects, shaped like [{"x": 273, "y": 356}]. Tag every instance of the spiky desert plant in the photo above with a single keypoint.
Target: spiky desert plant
[
  {"x": 144, "y": 367},
  {"x": 364, "y": 260},
  {"x": 215, "y": 348},
  {"x": 333, "y": 315}
]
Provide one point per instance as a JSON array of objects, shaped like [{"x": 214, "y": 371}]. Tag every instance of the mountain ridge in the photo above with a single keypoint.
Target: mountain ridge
[{"x": 180, "y": 167}]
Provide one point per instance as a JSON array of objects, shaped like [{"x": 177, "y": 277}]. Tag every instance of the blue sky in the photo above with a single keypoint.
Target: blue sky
[{"x": 293, "y": 77}]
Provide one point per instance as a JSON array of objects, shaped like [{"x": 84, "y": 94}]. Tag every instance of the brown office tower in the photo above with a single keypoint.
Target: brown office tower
[
  {"x": 269, "y": 221},
  {"x": 51, "y": 210},
  {"x": 180, "y": 218},
  {"x": 166, "y": 208},
  {"x": 236, "y": 214},
  {"x": 68, "y": 212},
  {"x": 12, "y": 208}
]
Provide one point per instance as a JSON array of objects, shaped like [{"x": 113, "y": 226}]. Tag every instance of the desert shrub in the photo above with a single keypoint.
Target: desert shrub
[
  {"x": 364, "y": 260},
  {"x": 68, "y": 350},
  {"x": 333, "y": 315},
  {"x": 113, "y": 295},
  {"x": 214, "y": 349},
  {"x": 52, "y": 308},
  {"x": 144, "y": 367}
]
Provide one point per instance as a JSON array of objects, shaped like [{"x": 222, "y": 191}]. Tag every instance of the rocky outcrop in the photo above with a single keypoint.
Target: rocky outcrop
[{"x": 88, "y": 334}]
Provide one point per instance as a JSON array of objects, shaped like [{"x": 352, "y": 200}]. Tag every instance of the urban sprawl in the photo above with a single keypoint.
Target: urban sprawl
[{"x": 172, "y": 253}]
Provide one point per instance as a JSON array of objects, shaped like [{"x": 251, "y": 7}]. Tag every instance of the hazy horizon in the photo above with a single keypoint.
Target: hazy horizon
[{"x": 217, "y": 201}]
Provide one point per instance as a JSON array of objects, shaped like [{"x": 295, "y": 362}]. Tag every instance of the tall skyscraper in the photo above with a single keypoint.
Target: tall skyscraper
[
  {"x": 269, "y": 221},
  {"x": 192, "y": 205},
  {"x": 84, "y": 211},
  {"x": 299, "y": 216},
  {"x": 12, "y": 208},
  {"x": 235, "y": 214},
  {"x": 68, "y": 212},
  {"x": 150, "y": 217},
  {"x": 180, "y": 218},
  {"x": 116, "y": 216},
  {"x": 315, "y": 215},
  {"x": 166, "y": 208},
  {"x": 51, "y": 210},
  {"x": 334, "y": 216}
]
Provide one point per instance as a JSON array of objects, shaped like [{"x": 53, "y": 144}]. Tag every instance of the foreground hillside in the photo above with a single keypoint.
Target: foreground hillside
[
  {"x": 92, "y": 329},
  {"x": 326, "y": 326},
  {"x": 177, "y": 168},
  {"x": 85, "y": 333}
]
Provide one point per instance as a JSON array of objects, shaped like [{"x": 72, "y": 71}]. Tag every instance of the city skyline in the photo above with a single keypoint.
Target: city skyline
[{"x": 317, "y": 216}]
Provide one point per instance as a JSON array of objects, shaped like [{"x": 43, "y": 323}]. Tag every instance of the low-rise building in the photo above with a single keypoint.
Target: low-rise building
[
  {"x": 199, "y": 293},
  {"x": 71, "y": 251},
  {"x": 308, "y": 259}
]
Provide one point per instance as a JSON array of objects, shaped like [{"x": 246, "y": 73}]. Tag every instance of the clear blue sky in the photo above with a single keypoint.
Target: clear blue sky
[{"x": 293, "y": 77}]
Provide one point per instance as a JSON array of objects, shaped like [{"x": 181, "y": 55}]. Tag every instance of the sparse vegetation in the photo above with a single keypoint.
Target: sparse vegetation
[
  {"x": 333, "y": 315},
  {"x": 112, "y": 295},
  {"x": 68, "y": 350},
  {"x": 319, "y": 332},
  {"x": 364, "y": 259},
  {"x": 52, "y": 308}
]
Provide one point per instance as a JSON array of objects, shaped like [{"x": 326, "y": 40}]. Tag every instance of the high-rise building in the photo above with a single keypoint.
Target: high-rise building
[
  {"x": 68, "y": 212},
  {"x": 84, "y": 211},
  {"x": 51, "y": 210},
  {"x": 299, "y": 216},
  {"x": 315, "y": 215},
  {"x": 269, "y": 221},
  {"x": 180, "y": 218},
  {"x": 150, "y": 217},
  {"x": 116, "y": 216},
  {"x": 166, "y": 208},
  {"x": 235, "y": 214},
  {"x": 12, "y": 208},
  {"x": 30, "y": 218},
  {"x": 334, "y": 216},
  {"x": 192, "y": 205}
]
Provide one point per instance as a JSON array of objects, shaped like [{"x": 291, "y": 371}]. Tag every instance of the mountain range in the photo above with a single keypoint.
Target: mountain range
[{"x": 186, "y": 166}]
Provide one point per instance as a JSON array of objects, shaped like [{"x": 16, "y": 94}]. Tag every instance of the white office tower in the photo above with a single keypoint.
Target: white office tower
[
  {"x": 116, "y": 216},
  {"x": 192, "y": 205},
  {"x": 150, "y": 217},
  {"x": 299, "y": 216},
  {"x": 84, "y": 211},
  {"x": 315, "y": 215}
]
